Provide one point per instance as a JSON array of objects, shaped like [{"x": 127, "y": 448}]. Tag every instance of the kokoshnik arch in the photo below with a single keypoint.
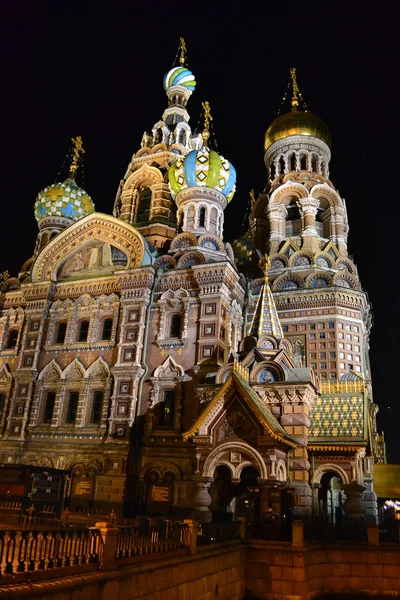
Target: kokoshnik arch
[{"x": 171, "y": 370}]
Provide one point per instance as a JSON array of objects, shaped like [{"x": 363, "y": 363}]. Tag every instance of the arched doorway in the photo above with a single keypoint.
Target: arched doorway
[
  {"x": 331, "y": 498},
  {"x": 247, "y": 502},
  {"x": 222, "y": 492}
]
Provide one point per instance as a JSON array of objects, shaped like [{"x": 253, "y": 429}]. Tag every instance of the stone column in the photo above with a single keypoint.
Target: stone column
[
  {"x": 308, "y": 210},
  {"x": 202, "y": 498},
  {"x": 276, "y": 216}
]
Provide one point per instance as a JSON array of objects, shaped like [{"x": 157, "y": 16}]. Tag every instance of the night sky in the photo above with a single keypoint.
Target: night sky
[{"x": 96, "y": 70}]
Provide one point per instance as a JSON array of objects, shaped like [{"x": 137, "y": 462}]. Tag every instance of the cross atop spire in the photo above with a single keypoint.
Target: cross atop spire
[
  {"x": 207, "y": 119},
  {"x": 295, "y": 99},
  {"x": 182, "y": 58},
  {"x": 78, "y": 150}
]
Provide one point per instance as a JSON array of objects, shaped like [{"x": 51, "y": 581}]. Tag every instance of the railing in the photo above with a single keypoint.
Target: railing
[
  {"x": 273, "y": 530},
  {"x": 136, "y": 541},
  {"x": 210, "y": 533},
  {"x": 351, "y": 531},
  {"x": 12, "y": 515},
  {"x": 390, "y": 532},
  {"x": 22, "y": 551}
]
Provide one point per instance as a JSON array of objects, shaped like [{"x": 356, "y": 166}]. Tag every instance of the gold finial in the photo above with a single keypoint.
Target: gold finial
[
  {"x": 182, "y": 58},
  {"x": 265, "y": 265},
  {"x": 252, "y": 199},
  {"x": 77, "y": 151},
  {"x": 207, "y": 119},
  {"x": 295, "y": 99}
]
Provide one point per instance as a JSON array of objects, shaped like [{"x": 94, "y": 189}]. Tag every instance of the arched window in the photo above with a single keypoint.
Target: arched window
[
  {"x": 72, "y": 408},
  {"x": 144, "y": 205},
  {"x": 272, "y": 171},
  {"x": 303, "y": 162},
  {"x": 175, "y": 326},
  {"x": 49, "y": 408},
  {"x": 83, "y": 331},
  {"x": 281, "y": 166},
  {"x": 61, "y": 331},
  {"x": 166, "y": 409},
  {"x": 314, "y": 163},
  {"x": 107, "y": 329},
  {"x": 293, "y": 220},
  {"x": 202, "y": 217},
  {"x": 158, "y": 136},
  {"x": 97, "y": 407},
  {"x": 182, "y": 137},
  {"x": 12, "y": 339},
  {"x": 292, "y": 162}
]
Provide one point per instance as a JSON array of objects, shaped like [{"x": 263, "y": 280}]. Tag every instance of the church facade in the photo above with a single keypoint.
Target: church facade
[{"x": 171, "y": 372}]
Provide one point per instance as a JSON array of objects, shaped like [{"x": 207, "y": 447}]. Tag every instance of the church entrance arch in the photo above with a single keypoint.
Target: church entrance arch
[{"x": 331, "y": 498}]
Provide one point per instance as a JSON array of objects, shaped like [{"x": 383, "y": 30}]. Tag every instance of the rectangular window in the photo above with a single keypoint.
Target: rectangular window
[
  {"x": 332, "y": 375},
  {"x": 358, "y": 369},
  {"x": 209, "y": 329},
  {"x": 342, "y": 365},
  {"x": 349, "y": 357},
  {"x": 222, "y": 333},
  {"x": 341, "y": 346},
  {"x": 285, "y": 328},
  {"x": 356, "y": 338},
  {"x": 97, "y": 407},
  {"x": 221, "y": 353},
  {"x": 312, "y": 346},
  {"x": 49, "y": 407},
  {"x": 321, "y": 325},
  {"x": 348, "y": 337},
  {"x": 348, "y": 328},
  {"x": 83, "y": 331},
  {"x": 61, "y": 331},
  {"x": 312, "y": 325},
  {"x": 331, "y": 325},
  {"x": 210, "y": 309},
  {"x": 72, "y": 407},
  {"x": 166, "y": 409},
  {"x": 322, "y": 365},
  {"x": 340, "y": 336},
  {"x": 107, "y": 329},
  {"x": 341, "y": 355},
  {"x": 357, "y": 358},
  {"x": 357, "y": 348},
  {"x": 356, "y": 329},
  {"x": 312, "y": 336},
  {"x": 332, "y": 354},
  {"x": 322, "y": 336},
  {"x": 340, "y": 325},
  {"x": 313, "y": 356},
  {"x": 322, "y": 354}
]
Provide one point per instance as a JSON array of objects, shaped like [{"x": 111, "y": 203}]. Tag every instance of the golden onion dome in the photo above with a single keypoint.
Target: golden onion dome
[{"x": 297, "y": 122}]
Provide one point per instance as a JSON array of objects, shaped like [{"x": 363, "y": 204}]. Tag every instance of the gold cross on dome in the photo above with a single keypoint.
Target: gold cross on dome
[
  {"x": 78, "y": 150},
  {"x": 182, "y": 58}
]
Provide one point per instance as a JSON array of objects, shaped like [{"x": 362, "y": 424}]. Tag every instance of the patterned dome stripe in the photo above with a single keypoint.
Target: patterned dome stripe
[
  {"x": 214, "y": 168},
  {"x": 189, "y": 168},
  {"x": 231, "y": 181}
]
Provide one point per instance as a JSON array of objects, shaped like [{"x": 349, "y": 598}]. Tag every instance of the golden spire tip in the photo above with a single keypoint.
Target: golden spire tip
[
  {"x": 295, "y": 99},
  {"x": 182, "y": 58},
  {"x": 207, "y": 119}
]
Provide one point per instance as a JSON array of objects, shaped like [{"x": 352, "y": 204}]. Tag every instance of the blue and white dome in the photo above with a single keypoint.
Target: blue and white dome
[{"x": 179, "y": 76}]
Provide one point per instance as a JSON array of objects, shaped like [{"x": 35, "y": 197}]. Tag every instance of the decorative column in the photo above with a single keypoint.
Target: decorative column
[
  {"x": 202, "y": 498},
  {"x": 353, "y": 506},
  {"x": 308, "y": 211}
]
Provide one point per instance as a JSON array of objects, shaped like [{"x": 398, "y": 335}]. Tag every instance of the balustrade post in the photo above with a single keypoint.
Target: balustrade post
[
  {"x": 192, "y": 527},
  {"x": 109, "y": 536},
  {"x": 241, "y": 527},
  {"x": 373, "y": 533},
  {"x": 297, "y": 533}
]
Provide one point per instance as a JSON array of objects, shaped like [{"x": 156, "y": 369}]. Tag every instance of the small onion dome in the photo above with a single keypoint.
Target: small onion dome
[
  {"x": 296, "y": 122},
  {"x": 179, "y": 76},
  {"x": 63, "y": 200},
  {"x": 203, "y": 168}
]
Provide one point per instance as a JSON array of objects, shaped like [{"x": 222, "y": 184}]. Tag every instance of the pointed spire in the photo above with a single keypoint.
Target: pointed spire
[
  {"x": 265, "y": 319},
  {"x": 295, "y": 98},
  {"x": 78, "y": 150}
]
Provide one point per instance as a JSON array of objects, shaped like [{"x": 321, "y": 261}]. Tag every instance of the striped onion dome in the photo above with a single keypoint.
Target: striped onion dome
[
  {"x": 180, "y": 76},
  {"x": 203, "y": 168}
]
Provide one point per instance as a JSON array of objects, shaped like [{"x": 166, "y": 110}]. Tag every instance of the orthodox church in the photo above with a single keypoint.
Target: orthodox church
[{"x": 171, "y": 372}]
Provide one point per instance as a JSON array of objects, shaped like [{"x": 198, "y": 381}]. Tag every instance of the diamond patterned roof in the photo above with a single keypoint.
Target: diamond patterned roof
[{"x": 265, "y": 319}]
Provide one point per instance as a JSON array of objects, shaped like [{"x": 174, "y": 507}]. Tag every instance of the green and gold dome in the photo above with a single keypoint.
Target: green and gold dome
[
  {"x": 65, "y": 199},
  {"x": 203, "y": 168}
]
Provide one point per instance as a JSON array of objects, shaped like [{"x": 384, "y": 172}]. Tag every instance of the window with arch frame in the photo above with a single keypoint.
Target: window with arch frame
[
  {"x": 202, "y": 217},
  {"x": 166, "y": 409},
  {"x": 83, "y": 331},
  {"x": 106, "y": 329},
  {"x": 144, "y": 204}
]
